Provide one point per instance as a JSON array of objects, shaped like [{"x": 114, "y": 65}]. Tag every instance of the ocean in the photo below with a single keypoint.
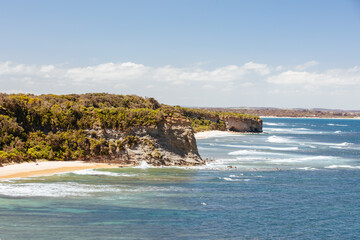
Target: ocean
[{"x": 300, "y": 179}]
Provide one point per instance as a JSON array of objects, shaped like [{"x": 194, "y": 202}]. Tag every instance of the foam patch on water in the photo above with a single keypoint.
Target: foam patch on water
[
  {"x": 93, "y": 172},
  {"x": 277, "y": 139},
  {"x": 340, "y": 125},
  {"x": 251, "y": 152},
  {"x": 143, "y": 165},
  {"x": 49, "y": 190},
  {"x": 291, "y": 130},
  {"x": 342, "y": 166},
  {"x": 274, "y": 124},
  {"x": 307, "y": 168},
  {"x": 303, "y": 159},
  {"x": 344, "y": 145},
  {"x": 215, "y": 134},
  {"x": 69, "y": 189},
  {"x": 235, "y": 176},
  {"x": 262, "y": 147},
  {"x": 276, "y": 129},
  {"x": 236, "y": 180}
]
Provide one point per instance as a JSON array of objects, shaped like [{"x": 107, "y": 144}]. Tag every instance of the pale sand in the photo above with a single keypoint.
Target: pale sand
[
  {"x": 210, "y": 134},
  {"x": 43, "y": 168}
]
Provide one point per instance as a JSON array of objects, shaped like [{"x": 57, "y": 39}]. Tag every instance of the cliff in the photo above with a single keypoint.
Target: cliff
[
  {"x": 170, "y": 143},
  {"x": 242, "y": 125},
  {"x": 204, "y": 120},
  {"x": 107, "y": 127}
]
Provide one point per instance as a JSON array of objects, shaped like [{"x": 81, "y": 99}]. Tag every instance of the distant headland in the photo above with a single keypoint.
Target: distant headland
[{"x": 291, "y": 113}]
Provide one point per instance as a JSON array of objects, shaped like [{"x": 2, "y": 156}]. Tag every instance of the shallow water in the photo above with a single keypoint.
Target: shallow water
[{"x": 315, "y": 194}]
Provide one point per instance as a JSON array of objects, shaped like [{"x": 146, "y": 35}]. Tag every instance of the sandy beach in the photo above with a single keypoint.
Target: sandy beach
[{"x": 43, "y": 168}]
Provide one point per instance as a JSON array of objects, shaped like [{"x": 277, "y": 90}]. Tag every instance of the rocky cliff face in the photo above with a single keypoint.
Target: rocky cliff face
[
  {"x": 232, "y": 122},
  {"x": 243, "y": 125},
  {"x": 171, "y": 143}
]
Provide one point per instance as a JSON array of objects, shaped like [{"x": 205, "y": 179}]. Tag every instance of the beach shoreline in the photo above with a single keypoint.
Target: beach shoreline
[{"x": 46, "y": 168}]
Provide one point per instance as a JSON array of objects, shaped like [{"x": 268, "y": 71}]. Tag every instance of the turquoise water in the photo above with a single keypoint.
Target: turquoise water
[{"x": 298, "y": 180}]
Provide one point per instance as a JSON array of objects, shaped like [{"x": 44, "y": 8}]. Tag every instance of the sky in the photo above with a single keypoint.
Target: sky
[{"x": 213, "y": 53}]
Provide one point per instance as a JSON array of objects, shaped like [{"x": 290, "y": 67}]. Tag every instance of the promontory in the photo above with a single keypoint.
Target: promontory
[{"x": 100, "y": 127}]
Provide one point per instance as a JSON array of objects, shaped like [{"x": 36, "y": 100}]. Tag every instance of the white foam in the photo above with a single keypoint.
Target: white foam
[
  {"x": 251, "y": 152},
  {"x": 277, "y": 139},
  {"x": 344, "y": 144},
  {"x": 340, "y": 125},
  {"x": 317, "y": 158},
  {"x": 302, "y": 159},
  {"x": 274, "y": 124},
  {"x": 95, "y": 173},
  {"x": 276, "y": 129},
  {"x": 235, "y": 176},
  {"x": 49, "y": 189},
  {"x": 69, "y": 189},
  {"x": 307, "y": 168},
  {"x": 243, "y": 152},
  {"x": 143, "y": 165},
  {"x": 236, "y": 180},
  {"x": 343, "y": 166},
  {"x": 283, "y": 148},
  {"x": 262, "y": 147},
  {"x": 214, "y": 134},
  {"x": 337, "y": 132}
]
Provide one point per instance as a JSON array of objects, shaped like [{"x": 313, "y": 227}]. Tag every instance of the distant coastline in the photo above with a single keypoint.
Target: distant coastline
[
  {"x": 352, "y": 118},
  {"x": 293, "y": 113}
]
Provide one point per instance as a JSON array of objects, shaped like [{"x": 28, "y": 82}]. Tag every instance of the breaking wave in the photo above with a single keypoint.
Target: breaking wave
[
  {"x": 70, "y": 189},
  {"x": 276, "y": 139},
  {"x": 342, "y": 166},
  {"x": 236, "y": 179}
]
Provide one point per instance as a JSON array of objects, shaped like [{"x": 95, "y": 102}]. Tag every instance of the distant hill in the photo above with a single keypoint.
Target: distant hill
[{"x": 296, "y": 112}]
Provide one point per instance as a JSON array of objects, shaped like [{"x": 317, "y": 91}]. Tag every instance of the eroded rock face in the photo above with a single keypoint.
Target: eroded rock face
[
  {"x": 244, "y": 125},
  {"x": 169, "y": 144},
  {"x": 233, "y": 123}
]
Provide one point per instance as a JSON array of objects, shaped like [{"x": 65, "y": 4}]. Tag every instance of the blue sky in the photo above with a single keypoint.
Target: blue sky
[{"x": 193, "y": 53}]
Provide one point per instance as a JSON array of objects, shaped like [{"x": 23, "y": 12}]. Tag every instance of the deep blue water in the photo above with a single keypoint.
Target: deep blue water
[{"x": 298, "y": 180}]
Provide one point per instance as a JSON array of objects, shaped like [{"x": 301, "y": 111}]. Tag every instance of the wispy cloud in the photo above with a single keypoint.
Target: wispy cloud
[
  {"x": 333, "y": 77},
  {"x": 123, "y": 72}
]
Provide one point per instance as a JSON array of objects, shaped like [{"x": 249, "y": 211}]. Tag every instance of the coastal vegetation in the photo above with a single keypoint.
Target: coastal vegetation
[{"x": 66, "y": 127}]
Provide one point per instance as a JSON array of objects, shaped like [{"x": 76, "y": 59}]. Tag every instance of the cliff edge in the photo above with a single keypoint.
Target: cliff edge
[
  {"x": 170, "y": 143},
  {"x": 107, "y": 128}
]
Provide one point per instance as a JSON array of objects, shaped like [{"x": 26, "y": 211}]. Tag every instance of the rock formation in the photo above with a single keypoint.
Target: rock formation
[
  {"x": 242, "y": 125},
  {"x": 171, "y": 143}
]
